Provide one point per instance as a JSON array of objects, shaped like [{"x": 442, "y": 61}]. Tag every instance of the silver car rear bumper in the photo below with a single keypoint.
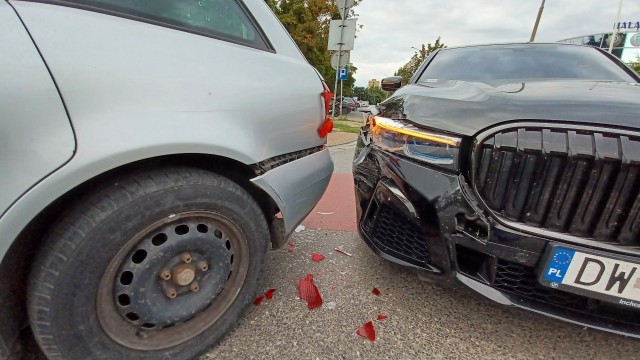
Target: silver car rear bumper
[{"x": 297, "y": 186}]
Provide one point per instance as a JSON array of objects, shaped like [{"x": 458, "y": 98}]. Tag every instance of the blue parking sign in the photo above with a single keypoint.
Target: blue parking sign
[{"x": 343, "y": 74}]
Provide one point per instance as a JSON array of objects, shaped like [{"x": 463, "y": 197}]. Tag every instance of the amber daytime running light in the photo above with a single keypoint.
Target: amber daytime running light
[{"x": 403, "y": 138}]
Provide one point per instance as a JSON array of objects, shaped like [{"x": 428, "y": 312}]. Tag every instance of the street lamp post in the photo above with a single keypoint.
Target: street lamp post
[{"x": 535, "y": 26}]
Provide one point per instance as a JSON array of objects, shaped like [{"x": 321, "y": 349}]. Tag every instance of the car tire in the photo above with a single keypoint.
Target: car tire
[{"x": 115, "y": 276}]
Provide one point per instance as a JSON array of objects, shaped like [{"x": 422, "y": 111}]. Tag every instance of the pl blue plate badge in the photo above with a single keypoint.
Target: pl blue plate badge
[{"x": 558, "y": 265}]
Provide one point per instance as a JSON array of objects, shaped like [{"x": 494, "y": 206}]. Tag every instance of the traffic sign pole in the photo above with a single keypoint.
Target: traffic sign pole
[
  {"x": 335, "y": 86},
  {"x": 343, "y": 8},
  {"x": 341, "y": 83}
]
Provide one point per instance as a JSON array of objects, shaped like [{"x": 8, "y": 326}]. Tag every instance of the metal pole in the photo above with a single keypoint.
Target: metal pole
[
  {"x": 615, "y": 29},
  {"x": 341, "y": 83},
  {"x": 535, "y": 26},
  {"x": 335, "y": 86}
]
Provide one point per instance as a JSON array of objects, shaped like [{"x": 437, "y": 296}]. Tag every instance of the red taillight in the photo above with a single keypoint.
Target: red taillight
[
  {"x": 327, "y": 124},
  {"x": 325, "y": 128}
]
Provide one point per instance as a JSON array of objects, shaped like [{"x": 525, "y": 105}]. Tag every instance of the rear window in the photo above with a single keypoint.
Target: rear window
[
  {"x": 494, "y": 64},
  {"x": 225, "y": 19}
]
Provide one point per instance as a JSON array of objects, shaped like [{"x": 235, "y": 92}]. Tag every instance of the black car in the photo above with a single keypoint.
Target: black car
[{"x": 513, "y": 170}]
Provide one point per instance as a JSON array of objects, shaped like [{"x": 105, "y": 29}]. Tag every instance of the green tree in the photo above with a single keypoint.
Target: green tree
[
  {"x": 635, "y": 65},
  {"x": 307, "y": 21},
  {"x": 358, "y": 91},
  {"x": 372, "y": 95},
  {"x": 408, "y": 69},
  {"x": 375, "y": 95}
]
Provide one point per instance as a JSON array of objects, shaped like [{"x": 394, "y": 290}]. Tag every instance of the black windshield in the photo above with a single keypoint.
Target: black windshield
[{"x": 516, "y": 62}]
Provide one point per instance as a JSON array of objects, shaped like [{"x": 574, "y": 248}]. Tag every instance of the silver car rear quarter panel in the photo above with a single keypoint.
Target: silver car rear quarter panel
[
  {"x": 35, "y": 133},
  {"x": 135, "y": 91}
]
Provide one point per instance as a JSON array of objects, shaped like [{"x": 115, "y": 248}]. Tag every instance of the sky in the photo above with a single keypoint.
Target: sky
[{"x": 392, "y": 27}]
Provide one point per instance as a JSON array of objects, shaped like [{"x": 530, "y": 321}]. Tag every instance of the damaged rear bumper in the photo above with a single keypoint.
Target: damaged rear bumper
[
  {"x": 297, "y": 186},
  {"x": 429, "y": 220}
]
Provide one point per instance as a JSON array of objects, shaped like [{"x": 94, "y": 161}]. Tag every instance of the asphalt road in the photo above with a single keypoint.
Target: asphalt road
[{"x": 425, "y": 320}]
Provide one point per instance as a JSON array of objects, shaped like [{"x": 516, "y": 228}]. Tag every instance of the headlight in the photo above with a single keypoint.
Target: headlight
[{"x": 403, "y": 138}]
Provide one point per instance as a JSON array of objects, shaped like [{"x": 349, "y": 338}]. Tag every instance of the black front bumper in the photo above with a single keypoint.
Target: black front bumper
[{"x": 429, "y": 220}]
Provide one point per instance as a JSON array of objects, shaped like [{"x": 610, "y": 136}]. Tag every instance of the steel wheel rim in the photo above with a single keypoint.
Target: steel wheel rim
[{"x": 133, "y": 334}]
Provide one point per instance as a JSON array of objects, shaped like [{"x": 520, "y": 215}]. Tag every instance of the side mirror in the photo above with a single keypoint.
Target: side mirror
[{"x": 392, "y": 83}]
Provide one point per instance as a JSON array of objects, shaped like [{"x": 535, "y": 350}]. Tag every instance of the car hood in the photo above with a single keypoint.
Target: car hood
[{"x": 467, "y": 108}]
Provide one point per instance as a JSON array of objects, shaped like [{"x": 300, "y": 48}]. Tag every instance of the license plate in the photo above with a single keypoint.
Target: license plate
[{"x": 596, "y": 276}]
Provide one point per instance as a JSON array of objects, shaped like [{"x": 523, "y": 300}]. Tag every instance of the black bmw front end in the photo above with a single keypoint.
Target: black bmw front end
[{"x": 527, "y": 193}]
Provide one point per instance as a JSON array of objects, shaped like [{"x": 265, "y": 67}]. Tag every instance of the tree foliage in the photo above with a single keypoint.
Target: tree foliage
[
  {"x": 373, "y": 95},
  {"x": 408, "y": 69},
  {"x": 635, "y": 65},
  {"x": 307, "y": 21}
]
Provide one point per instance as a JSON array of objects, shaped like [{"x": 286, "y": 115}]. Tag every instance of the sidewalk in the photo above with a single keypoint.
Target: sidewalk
[{"x": 339, "y": 138}]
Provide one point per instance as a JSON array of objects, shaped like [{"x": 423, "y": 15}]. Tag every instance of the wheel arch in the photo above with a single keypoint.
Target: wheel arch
[{"x": 15, "y": 334}]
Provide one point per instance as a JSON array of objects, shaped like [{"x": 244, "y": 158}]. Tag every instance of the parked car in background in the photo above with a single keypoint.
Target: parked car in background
[
  {"x": 515, "y": 171},
  {"x": 347, "y": 105},
  {"x": 140, "y": 192},
  {"x": 352, "y": 103}
]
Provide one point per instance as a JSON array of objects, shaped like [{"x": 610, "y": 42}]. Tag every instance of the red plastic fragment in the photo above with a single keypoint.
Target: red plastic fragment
[
  {"x": 308, "y": 291},
  {"x": 290, "y": 243},
  {"x": 367, "y": 331},
  {"x": 258, "y": 300},
  {"x": 382, "y": 316},
  {"x": 317, "y": 257},
  {"x": 376, "y": 292},
  {"x": 290, "y": 250},
  {"x": 269, "y": 294}
]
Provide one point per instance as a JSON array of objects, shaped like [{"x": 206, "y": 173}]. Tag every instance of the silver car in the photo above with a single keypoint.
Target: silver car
[{"x": 150, "y": 161}]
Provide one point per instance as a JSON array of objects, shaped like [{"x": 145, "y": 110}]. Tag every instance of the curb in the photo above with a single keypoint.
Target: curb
[{"x": 344, "y": 143}]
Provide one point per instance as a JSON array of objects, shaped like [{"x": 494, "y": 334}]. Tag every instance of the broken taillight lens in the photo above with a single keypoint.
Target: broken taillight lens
[
  {"x": 317, "y": 257},
  {"x": 327, "y": 124},
  {"x": 308, "y": 291},
  {"x": 327, "y": 96},
  {"x": 367, "y": 331},
  {"x": 258, "y": 300},
  {"x": 269, "y": 294}
]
